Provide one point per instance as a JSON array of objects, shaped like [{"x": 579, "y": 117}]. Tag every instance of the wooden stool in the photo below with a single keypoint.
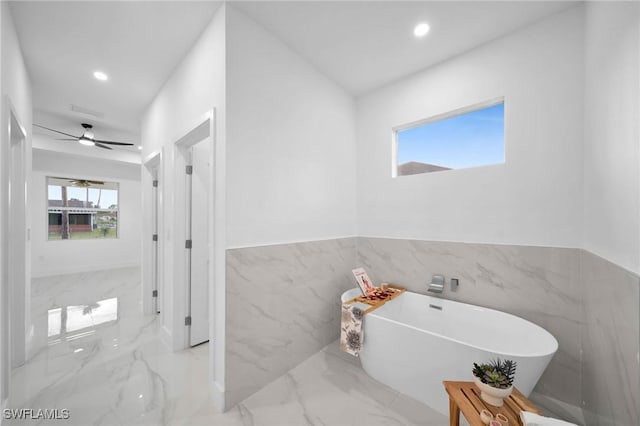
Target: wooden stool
[{"x": 465, "y": 396}]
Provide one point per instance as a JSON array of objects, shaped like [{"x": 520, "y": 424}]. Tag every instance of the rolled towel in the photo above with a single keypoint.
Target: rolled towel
[
  {"x": 351, "y": 333},
  {"x": 532, "y": 419}
]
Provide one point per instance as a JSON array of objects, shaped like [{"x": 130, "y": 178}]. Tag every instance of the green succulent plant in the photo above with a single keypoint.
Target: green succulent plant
[{"x": 496, "y": 373}]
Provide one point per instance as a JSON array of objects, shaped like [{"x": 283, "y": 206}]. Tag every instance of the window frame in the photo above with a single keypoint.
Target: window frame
[
  {"x": 47, "y": 212},
  {"x": 439, "y": 117}
]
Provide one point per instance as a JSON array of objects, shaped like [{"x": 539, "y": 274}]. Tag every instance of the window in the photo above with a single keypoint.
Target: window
[
  {"x": 81, "y": 208},
  {"x": 460, "y": 139}
]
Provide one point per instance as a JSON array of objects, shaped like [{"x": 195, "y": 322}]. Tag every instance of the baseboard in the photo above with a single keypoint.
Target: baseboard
[{"x": 217, "y": 395}]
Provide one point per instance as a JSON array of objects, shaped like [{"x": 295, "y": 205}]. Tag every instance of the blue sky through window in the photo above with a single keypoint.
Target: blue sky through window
[{"x": 468, "y": 140}]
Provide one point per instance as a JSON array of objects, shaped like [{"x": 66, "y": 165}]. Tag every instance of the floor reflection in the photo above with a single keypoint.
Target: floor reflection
[{"x": 71, "y": 322}]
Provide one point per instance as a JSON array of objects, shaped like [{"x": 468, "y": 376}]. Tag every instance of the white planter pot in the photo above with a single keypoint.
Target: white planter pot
[{"x": 491, "y": 395}]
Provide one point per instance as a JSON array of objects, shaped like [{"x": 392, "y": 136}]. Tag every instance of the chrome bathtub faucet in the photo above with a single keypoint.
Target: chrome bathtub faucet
[{"x": 437, "y": 284}]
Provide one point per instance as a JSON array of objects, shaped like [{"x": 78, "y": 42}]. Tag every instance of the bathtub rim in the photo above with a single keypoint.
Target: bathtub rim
[{"x": 474, "y": 307}]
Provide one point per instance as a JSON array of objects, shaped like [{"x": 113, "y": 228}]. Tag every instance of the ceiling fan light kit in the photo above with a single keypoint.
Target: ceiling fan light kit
[
  {"x": 87, "y": 138},
  {"x": 86, "y": 141}
]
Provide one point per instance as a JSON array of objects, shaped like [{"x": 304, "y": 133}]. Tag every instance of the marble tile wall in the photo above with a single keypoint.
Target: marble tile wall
[
  {"x": 539, "y": 284},
  {"x": 282, "y": 307},
  {"x": 610, "y": 338}
]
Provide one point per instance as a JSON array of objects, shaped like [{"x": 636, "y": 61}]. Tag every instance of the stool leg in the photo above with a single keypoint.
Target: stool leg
[{"x": 454, "y": 413}]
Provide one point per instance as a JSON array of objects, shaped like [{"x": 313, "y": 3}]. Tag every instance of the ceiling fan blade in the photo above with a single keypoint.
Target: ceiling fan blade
[
  {"x": 115, "y": 143},
  {"x": 99, "y": 145},
  {"x": 85, "y": 182},
  {"x": 57, "y": 131},
  {"x": 65, "y": 139}
]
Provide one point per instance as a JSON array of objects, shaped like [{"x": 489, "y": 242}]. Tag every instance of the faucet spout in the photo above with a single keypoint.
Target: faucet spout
[{"x": 437, "y": 284}]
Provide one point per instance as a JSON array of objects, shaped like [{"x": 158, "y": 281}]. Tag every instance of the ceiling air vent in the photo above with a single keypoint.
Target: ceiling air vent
[{"x": 86, "y": 111}]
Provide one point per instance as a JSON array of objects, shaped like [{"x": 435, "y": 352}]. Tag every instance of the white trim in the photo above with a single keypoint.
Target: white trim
[
  {"x": 450, "y": 114},
  {"x": 152, "y": 161},
  {"x": 439, "y": 117},
  {"x": 435, "y": 240},
  {"x": 203, "y": 129},
  {"x": 153, "y": 169},
  {"x": 387, "y": 237},
  {"x": 286, "y": 242},
  {"x": 394, "y": 153},
  {"x": 79, "y": 210},
  {"x": 218, "y": 396},
  {"x": 17, "y": 239},
  {"x": 187, "y": 137},
  {"x": 15, "y": 246}
]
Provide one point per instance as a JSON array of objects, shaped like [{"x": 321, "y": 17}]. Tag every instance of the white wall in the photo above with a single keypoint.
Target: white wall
[
  {"x": 612, "y": 135},
  {"x": 69, "y": 256},
  {"x": 15, "y": 79},
  {"x": 195, "y": 87},
  {"x": 15, "y": 94},
  {"x": 290, "y": 178},
  {"x": 535, "y": 198},
  {"x": 4, "y": 342},
  {"x": 290, "y": 150}
]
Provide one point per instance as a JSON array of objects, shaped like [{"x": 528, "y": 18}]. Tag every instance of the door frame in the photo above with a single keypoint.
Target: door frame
[
  {"x": 202, "y": 130},
  {"x": 17, "y": 240},
  {"x": 152, "y": 276},
  {"x": 198, "y": 221},
  {"x": 14, "y": 303}
]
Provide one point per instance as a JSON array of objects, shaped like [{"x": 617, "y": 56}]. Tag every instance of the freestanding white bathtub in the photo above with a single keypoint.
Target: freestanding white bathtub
[{"x": 414, "y": 342}]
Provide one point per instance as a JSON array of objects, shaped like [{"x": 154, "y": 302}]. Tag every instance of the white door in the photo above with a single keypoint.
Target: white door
[{"x": 200, "y": 218}]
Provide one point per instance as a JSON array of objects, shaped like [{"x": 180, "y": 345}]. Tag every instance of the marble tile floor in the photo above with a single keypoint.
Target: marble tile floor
[{"x": 103, "y": 360}]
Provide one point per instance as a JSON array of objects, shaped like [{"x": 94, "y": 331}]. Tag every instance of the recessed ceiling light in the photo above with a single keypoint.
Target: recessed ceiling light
[
  {"x": 421, "y": 29},
  {"x": 140, "y": 148},
  {"x": 99, "y": 75}
]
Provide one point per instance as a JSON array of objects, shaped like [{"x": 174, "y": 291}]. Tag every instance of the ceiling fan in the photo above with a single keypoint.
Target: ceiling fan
[
  {"x": 87, "y": 137},
  {"x": 85, "y": 183}
]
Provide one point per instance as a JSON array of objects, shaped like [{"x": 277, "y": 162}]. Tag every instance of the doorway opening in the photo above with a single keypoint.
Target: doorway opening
[
  {"x": 197, "y": 207},
  {"x": 14, "y": 291},
  {"x": 194, "y": 224},
  {"x": 152, "y": 287}
]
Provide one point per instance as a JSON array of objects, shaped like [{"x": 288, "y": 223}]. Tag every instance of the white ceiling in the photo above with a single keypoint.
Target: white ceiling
[
  {"x": 138, "y": 44},
  {"x": 363, "y": 45}
]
